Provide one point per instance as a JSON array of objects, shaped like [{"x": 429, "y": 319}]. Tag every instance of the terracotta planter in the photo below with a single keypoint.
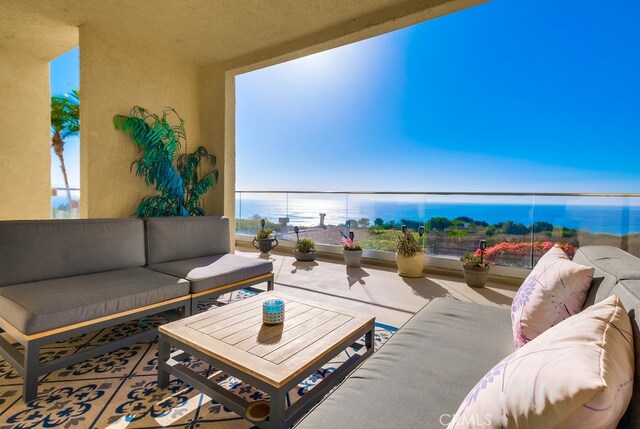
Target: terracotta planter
[
  {"x": 309, "y": 256},
  {"x": 476, "y": 276},
  {"x": 353, "y": 258},
  {"x": 410, "y": 266}
]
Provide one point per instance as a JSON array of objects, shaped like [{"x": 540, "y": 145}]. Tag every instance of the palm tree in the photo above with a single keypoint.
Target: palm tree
[{"x": 65, "y": 122}]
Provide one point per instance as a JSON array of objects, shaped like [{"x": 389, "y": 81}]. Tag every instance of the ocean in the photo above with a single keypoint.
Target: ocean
[{"x": 615, "y": 219}]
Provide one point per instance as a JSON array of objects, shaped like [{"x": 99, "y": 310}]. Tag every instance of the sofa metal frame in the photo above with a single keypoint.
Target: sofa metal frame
[{"x": 28, "y": 364}]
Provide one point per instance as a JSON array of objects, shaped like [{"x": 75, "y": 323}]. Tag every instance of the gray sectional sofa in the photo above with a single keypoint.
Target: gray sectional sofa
[
  {"x": 197, "y": 249},
  {"x": 422, "y": 374},
  {"x": 64, "y": 278}
]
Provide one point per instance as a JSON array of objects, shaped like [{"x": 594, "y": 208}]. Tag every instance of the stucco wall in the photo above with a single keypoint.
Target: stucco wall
[
  {"x": 113, "y": 78},
  {"x": 217, "y": 119},
  {"x": 25, "y": 155}
]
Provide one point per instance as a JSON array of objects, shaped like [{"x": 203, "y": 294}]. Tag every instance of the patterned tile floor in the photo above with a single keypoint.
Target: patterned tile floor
[{"x": 118, "y": 389}]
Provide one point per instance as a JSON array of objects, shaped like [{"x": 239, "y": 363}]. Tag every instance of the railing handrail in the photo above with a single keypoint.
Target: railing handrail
[
  {"x": 502, "y": 194},
  {"x": 62, "y": 188}
]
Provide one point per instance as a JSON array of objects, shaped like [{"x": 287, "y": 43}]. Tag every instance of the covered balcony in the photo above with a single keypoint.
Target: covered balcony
[{"x": 188, "y": 55}]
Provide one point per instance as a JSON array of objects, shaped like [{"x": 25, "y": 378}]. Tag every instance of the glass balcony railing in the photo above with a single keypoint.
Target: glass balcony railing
[
  {"x": 65, "y": 203},
  {"x": 518, "y": 228}
]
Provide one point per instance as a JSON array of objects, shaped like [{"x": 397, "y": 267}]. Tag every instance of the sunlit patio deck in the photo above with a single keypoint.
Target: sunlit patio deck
[{"x": 374, "y": 289}]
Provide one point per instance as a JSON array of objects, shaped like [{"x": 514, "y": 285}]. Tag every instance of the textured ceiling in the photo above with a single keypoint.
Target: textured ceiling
[{"x": 204, "y": 31}]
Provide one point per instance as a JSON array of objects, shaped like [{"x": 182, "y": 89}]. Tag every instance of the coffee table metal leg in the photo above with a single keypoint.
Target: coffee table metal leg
[
  {"x": 277, "y": 408},
  {"x": 369, "y": 340},
  {"x": 280, "y": 417},
  {"x": 163, "y": 357}
]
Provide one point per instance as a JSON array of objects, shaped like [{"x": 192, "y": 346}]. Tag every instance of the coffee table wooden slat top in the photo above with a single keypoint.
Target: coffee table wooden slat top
[
  {"x": 275, "y": 354},
  {"x": 249, "y": 332},
  {"x": 240, "y": 331},
  {"x": 268, "y": 335}
]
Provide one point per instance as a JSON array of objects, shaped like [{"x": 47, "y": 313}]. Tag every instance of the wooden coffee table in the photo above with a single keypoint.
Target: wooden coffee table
[{"x": 273, "y": 359}]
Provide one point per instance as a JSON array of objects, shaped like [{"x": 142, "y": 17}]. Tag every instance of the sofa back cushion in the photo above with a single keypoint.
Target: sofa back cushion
[
  {"x": 47, "y": 249},
  {"x": 185, "y": 237},
  {"x": 617, "y": 273}
]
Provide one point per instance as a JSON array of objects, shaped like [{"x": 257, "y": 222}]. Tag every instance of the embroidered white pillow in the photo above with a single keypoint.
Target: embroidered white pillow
[
  {"x": 554, "y": 290},
  {"x": 578, "y": 374}
]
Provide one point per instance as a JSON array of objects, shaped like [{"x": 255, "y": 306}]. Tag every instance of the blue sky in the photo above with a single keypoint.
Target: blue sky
[
  {"x": 537, "y": 96},
  {"x": 64, "y": 76},
  {"x": 507, "y": 96}
]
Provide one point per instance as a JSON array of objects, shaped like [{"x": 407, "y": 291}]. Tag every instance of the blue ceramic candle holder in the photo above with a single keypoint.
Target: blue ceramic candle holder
[{"x": 273, "y": 311}]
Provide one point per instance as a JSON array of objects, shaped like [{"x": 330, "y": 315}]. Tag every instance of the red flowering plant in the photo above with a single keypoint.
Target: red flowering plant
[{"x": 539, "y": 248}]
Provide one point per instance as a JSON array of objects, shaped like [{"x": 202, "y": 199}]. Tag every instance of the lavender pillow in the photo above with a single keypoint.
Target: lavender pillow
[
  {"x": 578, "y": 374},
  {"x": 553, "y": 291}
]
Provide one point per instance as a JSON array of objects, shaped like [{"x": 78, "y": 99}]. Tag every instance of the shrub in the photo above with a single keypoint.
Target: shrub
[
  {"x": 253, "y": 224},
  {"x": 305, "y": 245},
  {"x": 381, "y": 239},
  {"x": 263, "y": 234},
  {"x": 509, "y": 227},
  {"x": 542, "y": 226},
  {"x": 438, "y": 223},
  {"x": 457, "y": 233},
  {"x": 408, "y": 245},
  {"x": 473, "y": 260}
]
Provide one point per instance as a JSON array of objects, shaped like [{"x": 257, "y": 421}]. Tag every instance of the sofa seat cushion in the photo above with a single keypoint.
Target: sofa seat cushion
[
  {"x": 50, "y": 304},
  {"x": 209, "y": 272},
  {"x": 421, "y": 375}
]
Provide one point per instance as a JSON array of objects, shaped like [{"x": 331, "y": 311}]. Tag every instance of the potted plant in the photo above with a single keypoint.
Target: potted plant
[
  {"x": 305, "y": 250},
  {"x": 263, "y": 240},
  {"x": 475, "y": 266},
  {"x": 352, "y": 250},
  {"x": 409, "y": 254},
  {"x": 177, "y": 177}
]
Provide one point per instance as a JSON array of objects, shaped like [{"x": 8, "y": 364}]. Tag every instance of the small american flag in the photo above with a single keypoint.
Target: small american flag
[{"x": 346, "y": 241}]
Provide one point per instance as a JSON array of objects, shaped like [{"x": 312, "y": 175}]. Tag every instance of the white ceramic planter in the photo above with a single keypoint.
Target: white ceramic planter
[
  {"x": 411, "y": 266},
  {"x": 353, "y": 258}
]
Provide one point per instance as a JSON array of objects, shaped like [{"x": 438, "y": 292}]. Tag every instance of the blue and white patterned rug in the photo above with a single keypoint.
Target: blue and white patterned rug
[{"x": 118, "y": 390}]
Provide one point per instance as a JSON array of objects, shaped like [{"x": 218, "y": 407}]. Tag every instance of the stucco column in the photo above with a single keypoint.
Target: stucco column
[
  {"x": 217, "y": 119},
  {"x": 25, "y": 153}
]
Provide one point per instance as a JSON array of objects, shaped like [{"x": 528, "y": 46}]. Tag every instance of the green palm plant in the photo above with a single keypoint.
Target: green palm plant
[
  {"x": 65, "y": 122},
  {"x": 173, "y": 175}
]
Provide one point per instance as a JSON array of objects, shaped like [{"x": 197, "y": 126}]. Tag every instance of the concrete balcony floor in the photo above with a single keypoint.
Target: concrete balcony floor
[{"x": 374, "y": 289}]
